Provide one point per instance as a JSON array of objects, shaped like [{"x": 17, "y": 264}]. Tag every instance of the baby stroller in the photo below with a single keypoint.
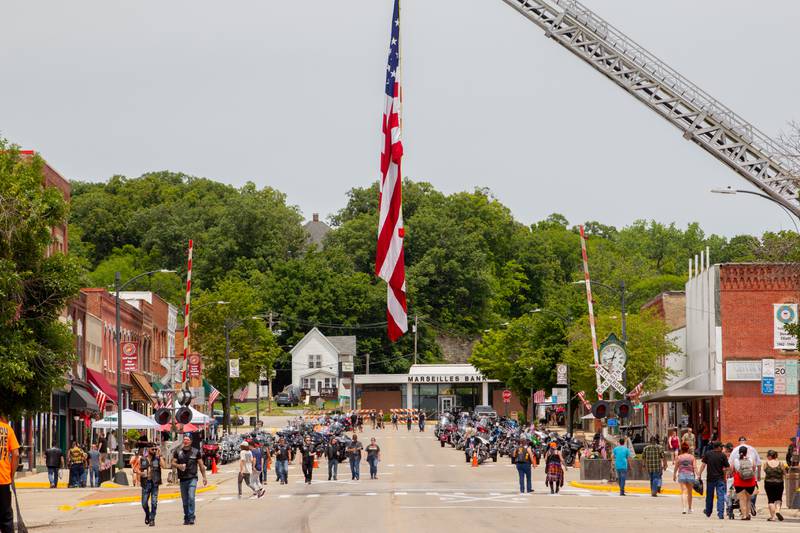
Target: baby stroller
[{"x": 733, "y": 502}]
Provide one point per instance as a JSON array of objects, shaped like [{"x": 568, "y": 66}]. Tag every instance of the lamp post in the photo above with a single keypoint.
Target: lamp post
[
  {"x": 729, "y": 190},
  {"x": 120, "y": 477}
]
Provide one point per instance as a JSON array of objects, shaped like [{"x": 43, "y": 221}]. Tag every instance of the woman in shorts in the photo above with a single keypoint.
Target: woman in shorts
[
  {"x": 744, "y": 481},
  {"x": 674, "y": 444},
  {"x": 774, "y": 471},
  {"x": 684, "y": 474}
]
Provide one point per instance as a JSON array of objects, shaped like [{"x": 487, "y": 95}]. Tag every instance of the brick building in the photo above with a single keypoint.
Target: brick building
[{"x": 731, "y": 330}]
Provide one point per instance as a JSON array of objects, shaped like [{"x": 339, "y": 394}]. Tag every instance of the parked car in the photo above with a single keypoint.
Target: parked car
[
  {"x": 485, "y": 411},
  {"x": 286, "y": 399}
]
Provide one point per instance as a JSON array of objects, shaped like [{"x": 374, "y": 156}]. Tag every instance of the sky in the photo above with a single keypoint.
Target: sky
[{"x": 289, "y": 94}]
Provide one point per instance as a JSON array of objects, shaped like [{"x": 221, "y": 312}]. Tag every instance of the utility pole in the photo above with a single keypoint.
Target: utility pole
[
  {"x": 269, "y": 377},
  {"x": 228, "y": 376},
  {"x": 624, "y": 327},
  {"x": 416, "y": 324},
  {"x": 367, "y": 363}
]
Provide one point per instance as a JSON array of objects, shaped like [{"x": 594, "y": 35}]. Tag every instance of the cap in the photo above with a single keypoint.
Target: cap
[
  {"x": 742, "y": 438},
  {"x": 552, "y": 444}
]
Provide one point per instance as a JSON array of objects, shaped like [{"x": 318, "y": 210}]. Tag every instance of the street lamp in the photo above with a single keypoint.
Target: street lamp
[
  {"x": 728, "y": 190},
  {"x": 120, "y": 477},
  {"x": 565, "y": 319}
]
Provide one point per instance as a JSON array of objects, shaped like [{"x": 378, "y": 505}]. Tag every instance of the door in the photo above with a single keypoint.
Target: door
[{"x": 445, "y": 403}]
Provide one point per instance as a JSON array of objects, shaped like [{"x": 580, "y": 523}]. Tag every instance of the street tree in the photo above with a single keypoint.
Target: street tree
[{"x": 36, "y": 348}]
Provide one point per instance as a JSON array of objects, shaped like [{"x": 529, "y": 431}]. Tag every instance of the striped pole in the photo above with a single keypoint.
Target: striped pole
[
  {"x": 186, "y": 314},
  {"x": 591, "y": 307}
]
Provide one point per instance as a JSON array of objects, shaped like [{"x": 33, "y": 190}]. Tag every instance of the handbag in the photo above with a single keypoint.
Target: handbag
[{"x": 698, "y": 486}]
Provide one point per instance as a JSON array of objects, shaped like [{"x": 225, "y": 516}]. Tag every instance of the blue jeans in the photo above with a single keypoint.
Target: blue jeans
[
  {"x": 333, "y": 467},
  {"x": 355, "y": 467},
  {"x": 150, "y": 492},
  {"x": 52, "y": 475},
  {"x": 524, "y": 472},
  {"x": 718, "y": 487},
  {"x": 373, "y": 466},
  {"x": 622, "y": 475},
  {"x": 75, "y": 475},
  {"x": 94, "y": 476},
  {"x": 188, "y": 488},
  {"x": 655, "y": 482},
  {"x": 282, "y": 470}
]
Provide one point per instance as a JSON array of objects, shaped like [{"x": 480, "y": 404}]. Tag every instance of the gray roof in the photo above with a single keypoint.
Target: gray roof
[
  {"x": 316, "y": 230},
  {"x": 345, "y": 344}
]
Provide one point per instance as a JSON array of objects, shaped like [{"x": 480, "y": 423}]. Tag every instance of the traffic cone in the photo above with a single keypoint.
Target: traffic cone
[
  {"x": 214, "y": 469},
  {"x": 475, "y": 459},
  {"x": 316, "y": 463},
  {"x": 577, "y": 461},
  {"x": 269, "y": 464}
]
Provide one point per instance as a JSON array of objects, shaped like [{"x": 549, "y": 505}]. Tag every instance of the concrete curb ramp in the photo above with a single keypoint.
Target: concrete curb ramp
[
  {"x": 615, "y": 488},
  {"x": 129, "y": 499}
]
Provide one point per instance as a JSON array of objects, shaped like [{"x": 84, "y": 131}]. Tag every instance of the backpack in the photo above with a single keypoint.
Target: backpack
[{"x": 746, "y": 471}]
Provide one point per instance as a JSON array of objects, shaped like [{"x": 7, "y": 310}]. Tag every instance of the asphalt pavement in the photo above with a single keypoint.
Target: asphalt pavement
[{"x": 420, "y": 487}]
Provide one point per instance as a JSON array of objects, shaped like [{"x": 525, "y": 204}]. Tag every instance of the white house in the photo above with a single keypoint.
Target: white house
[{"x": 315, "y": 364}]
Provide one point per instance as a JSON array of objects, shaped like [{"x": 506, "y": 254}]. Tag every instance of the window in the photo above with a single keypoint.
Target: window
[
  {"x": 315, "y": 361},
  {"x": 306, "y": 383},
  {"x": 329, "y": 383}
]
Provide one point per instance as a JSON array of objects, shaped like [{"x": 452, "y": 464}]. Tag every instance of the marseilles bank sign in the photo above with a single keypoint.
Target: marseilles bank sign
[{"x": 471, "y": 378}]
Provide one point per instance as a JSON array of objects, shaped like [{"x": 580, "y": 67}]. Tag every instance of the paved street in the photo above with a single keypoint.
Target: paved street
[{"x": 420, "y": 487}]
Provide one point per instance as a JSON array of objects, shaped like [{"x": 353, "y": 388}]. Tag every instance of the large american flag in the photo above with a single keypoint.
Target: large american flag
[
  {"x": 538, "y": 396},
  {"x": 389, "y": 260},
  {"x": 100, "y": 397}
]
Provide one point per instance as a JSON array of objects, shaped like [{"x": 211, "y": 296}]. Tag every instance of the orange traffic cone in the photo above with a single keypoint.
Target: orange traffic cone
[
  {"x": 475, "y": 459},
  {"x": 577, "y": 462},
  {"x": 214, "y": 469},
  {"x": 269, "y": 464},
  {"x": 316, "y": 463}
]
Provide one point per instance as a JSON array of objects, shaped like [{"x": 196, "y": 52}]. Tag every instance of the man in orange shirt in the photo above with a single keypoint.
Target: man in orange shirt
[{"x": 9, "y": 458}]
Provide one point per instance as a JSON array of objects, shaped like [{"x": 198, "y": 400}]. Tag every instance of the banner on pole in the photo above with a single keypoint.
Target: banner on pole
[
  {"x": 130, "y": 355},
  {"x": 195, "y": 365},
  {"x": 234, "y": 368}
]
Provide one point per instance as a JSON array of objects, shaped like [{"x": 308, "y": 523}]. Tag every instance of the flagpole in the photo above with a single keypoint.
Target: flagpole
[{"x": 400, "y": 69}]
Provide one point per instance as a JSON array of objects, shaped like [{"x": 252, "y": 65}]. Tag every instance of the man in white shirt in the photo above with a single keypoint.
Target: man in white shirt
[
  {"x": 752, "y": 454},
  {"x": 247, "y": 465}
]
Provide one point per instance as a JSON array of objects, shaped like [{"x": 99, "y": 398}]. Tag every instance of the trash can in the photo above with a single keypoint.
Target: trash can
[{"x": 792, "y": 485}]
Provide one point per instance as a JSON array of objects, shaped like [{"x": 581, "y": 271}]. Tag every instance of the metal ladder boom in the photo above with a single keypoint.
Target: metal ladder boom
[{"x": 702, "y": 119}]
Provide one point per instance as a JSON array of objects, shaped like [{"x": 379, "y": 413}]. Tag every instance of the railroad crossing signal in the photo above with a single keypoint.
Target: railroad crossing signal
[{"x": 610, "y": 379}]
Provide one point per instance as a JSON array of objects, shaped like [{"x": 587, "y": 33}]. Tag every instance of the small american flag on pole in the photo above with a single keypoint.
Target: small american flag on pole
[
  {"x": 538, "y": 396},
  {"x": 389, "y": 257},
  {"x": 243, "y": 393},
  {"x": 636, "y": 392},
  {"x": 100, "y": 397},
  {"x": 211, "y": 392},
  {"x": 586, "y": 404}
]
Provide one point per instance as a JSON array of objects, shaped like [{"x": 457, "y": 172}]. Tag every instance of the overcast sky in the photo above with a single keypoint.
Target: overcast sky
[{"x": 290, "y": 94}]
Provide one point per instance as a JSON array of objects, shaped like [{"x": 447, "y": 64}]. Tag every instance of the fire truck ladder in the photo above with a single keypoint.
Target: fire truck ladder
[{"x": 702, "y": 119}]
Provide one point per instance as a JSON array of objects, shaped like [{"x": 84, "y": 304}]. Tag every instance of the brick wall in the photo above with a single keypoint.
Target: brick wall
[
  {"x": 747, "y": 295},
  {"x": 381, "y": 400}
]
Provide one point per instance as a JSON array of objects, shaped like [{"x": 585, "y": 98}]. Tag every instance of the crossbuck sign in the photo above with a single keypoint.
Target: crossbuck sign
[{"x": 611, "y": 379}]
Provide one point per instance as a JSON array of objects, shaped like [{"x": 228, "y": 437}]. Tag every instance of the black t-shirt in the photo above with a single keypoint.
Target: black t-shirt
[
  {"x": 189, "y": 458},
  {"x": 282, "y": 452},
  {"x": 716, "y": 463},
  {"x": 354, "y": 449},
  {"x": 307, "y": 451},
  {"x": 103, "y": 446},
  {"x": 53, "y": 457},
  {"x": 154, "y": 472},
  {"x": 372, "y": 451}
]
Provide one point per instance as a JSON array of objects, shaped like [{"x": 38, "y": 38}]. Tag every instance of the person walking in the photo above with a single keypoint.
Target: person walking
[
  {"x": 409, "y": 418},
  {"x": 674, "y": 445},
  {"x": 373, "y": 417},
  {"x": 774, "y": 470},
  {"x": 373, "y": 457},
  {"x": 690, "y": 439},
  {"x": 282, "y": 453},
  {"x": 380, "y": 420},
  {"x": 102, "y": 447},
  {"x": 394, "y": 420},
  {"x": 94, "y": 466},
  {"x": 621, "y": 454},
  {"x": 684, "y": 474},
  {"x": 523, "y": 458},
  {"x": 135, "y": 466},
  {"x": 422, "y": 421},
  {"x": 744, "y": 480},
  {"x": 655, "y": 462},
  {"x": 54, "y": 459},
  {"x": 247, "y": 471},
  {"x": 332, "y": 454},
  {"x": 354, "y": 453},
  {"x": 187, "y": 460},
  {"x": 307, "y": 459},
  {"x": 76, "y": 461},
  {"x": 554, "y": 467},
  {"x": 717, "y": 463},
  {"x": 793, "y": 452},
  {"x": 9, "y": 460},
  {"x": 752, "y": 455},
  {"x": 150, "y": 470}
]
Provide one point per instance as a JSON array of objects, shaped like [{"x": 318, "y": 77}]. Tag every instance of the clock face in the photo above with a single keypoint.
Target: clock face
[{"x": 613, "y": 356}]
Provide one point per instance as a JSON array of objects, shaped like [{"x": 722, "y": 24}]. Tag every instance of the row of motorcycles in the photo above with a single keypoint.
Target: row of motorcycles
[
  {"x": 322, "y": 431},
  {"x": 488, "y": 437}
]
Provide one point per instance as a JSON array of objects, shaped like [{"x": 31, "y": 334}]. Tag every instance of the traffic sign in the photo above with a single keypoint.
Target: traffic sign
[
  {"x": 561, "y": 374},
  {"x": 506, "y": 396},
  {"x": 612, "y": 379}
]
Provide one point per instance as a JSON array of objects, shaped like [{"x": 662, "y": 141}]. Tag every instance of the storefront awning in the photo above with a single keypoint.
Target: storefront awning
[
  {"x": 143, "y": 391},
  {"x": 99, "y": 380},
  {"x": 81, "y": 399},
  {"x": 681, "y": 395}
]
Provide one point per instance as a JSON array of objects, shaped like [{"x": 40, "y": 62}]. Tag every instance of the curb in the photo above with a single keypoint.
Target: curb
[
  {"x": 129, "y": 499},
  {"x": 63, "y": 485},
  {"x": 613, "y": 488}
]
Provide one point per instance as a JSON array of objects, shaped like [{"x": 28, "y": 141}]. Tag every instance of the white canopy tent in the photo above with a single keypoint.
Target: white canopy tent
[{"x": 130, "y": 420}]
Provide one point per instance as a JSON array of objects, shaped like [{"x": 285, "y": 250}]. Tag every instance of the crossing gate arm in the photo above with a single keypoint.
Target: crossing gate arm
[{"x": 701, "y": 118}]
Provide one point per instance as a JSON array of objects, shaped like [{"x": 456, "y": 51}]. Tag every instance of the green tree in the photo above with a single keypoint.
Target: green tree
[
  {"x": 250, "y": 339},
  {"x": 522, "y": 355},
  {"x": 36, "y": 349},
  {"x": 647, "y": 348}
]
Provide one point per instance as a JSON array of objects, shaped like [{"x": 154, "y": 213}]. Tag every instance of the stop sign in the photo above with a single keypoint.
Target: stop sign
[{"x": 506, "y": 396}]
